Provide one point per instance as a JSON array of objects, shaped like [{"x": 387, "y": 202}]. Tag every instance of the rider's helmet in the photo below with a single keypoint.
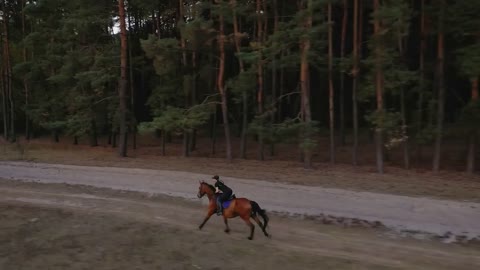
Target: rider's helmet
[{"x": 216, "y": 177}]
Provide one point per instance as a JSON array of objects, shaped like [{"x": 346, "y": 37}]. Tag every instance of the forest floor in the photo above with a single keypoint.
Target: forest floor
[{"x": 58, "y": 226}]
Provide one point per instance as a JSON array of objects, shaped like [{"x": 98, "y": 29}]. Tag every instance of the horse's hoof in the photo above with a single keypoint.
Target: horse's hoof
[
  {"x": 227, "y": 231},
  {"x": 200, "y": 228},
  {"x": 250, "y": 238}
]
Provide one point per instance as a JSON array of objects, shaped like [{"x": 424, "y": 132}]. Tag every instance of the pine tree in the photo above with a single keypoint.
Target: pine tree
[
  {"x": 466, "y": 29},
  {"x": 237, "y": 39},
  {"x": 330, "y": 85},
  {"x": 342, "y": 73},
  {"x": 441, "y": 86},
  {"x": 305, "y": 44},
  {"x": 221, "y": 39},
  {"x": 122, "y": 87},
  {"x": 355, "y": 72}
]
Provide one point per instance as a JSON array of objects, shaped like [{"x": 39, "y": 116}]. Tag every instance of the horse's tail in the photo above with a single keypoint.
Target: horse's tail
[{"x": 257, "y": 210}]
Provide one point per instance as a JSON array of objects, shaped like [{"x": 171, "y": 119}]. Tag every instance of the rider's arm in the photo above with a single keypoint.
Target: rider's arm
[{"x": 217, "y": 190}]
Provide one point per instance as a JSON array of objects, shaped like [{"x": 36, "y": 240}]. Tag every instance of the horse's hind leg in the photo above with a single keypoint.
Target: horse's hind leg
[
  {"x": 252, "y": 227},
  {"x": 227, "y": 229},
  {"x": 255, "y": 217}
]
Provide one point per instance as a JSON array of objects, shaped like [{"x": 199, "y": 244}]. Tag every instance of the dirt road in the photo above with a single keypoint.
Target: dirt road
[
  {"x": 55, "y": 226},
  {"x": 434, "y": 216}
]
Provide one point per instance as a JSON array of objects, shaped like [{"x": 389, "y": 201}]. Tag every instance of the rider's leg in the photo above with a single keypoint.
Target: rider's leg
[
  {"x": 223, "y": 198},
  {"x": 219, "y": 204}
]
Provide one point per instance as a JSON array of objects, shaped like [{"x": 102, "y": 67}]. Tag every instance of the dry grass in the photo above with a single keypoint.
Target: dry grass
[{"x": 446, "y": 185}]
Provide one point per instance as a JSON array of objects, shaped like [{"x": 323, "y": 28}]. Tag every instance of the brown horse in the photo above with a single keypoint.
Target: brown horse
[{"x": 239, "y": 207}]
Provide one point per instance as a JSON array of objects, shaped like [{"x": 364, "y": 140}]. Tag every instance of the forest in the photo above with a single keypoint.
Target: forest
[{"x": 396, "y": 80}]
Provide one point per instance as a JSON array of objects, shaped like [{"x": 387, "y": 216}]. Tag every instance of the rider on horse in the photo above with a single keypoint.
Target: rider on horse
[
  {"x": 241, "y": 207},
  {"x": 224, "y": 193}
]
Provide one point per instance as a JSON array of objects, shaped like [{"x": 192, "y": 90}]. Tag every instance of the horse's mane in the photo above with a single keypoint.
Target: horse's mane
[{"x": 208, "y": 185}]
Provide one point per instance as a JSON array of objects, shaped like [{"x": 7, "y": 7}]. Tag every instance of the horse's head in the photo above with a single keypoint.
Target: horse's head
[{"x": 204, "y": 188}]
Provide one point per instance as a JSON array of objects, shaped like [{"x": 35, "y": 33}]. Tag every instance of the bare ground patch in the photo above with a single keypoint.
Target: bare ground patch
[{"x": 72, "y": 227}]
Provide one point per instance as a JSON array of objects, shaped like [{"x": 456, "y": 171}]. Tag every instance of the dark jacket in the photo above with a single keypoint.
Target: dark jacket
[{"x": 221, "y": 186}]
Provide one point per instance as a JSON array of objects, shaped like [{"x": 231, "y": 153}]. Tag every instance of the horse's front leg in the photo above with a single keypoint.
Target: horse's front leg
[{"x": 209, "y": 214}]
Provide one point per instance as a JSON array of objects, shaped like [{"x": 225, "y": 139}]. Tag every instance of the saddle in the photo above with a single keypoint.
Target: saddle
[{"x": 226, "y": 203}]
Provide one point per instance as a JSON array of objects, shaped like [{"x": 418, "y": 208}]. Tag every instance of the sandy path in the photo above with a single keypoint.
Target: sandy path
[
  {"x": 397, "y": 212},
  {"x": 295, "y": 245}
]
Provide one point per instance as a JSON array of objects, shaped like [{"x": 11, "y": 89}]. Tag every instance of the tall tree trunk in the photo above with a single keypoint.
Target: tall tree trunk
[
  {"x": 122, "y": 89},
  {"x": 265, "y": 20},
  {"x": 212, "y": 85},
  {"x": 193, "y": 141},
  {"x": 182, "y": 39},
  {"x": 4, "y": 102},
  {"x": 274, "y": 74},
  {"x": 342, "y": 74},
  {"x": 193, "y": 135},
  {"x": 186, "y": 152},
  {"x": 260, "y": 76},
  {"x": 8, "y": 75},
  {"x": 114, "y": 139},
  {"x": 282, "y": 86},
  {"x": 13, "y": 135},
  {"x": 305, "y": 84},
  {"x": 154, "y": 25},
  {"x": 186, "y": 86},
  {"x": 473, "y": 135},
  {"x": 236, "y": 33},
  {"x": 132, "y": 90},
  {"x": 474, "y": 82},
  {"x": 221, "y": 88},
  {"x": 56, "y": 136},
  {"x": 159, "y": 35},
  {"x": 185, "y": 144},
  {"x": 93, "y": 133},
  {"x": 330, "y": 84},
  {"x": 282, "y": 73},
  {"x": 214, "y": 132},
  {"x": 25, "y": 82},
  {"x": 243, "y": 142},
  {"x": 378, "y": 87},
  {"x": 423, "y": 46},
  {"x": 406, "y": 153},
  {"x": 164, "y": 141},
  {"x": 441, "y": 89},
  {"x": 355, "y": 83},
  {"x": 360, "y": 28}
]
